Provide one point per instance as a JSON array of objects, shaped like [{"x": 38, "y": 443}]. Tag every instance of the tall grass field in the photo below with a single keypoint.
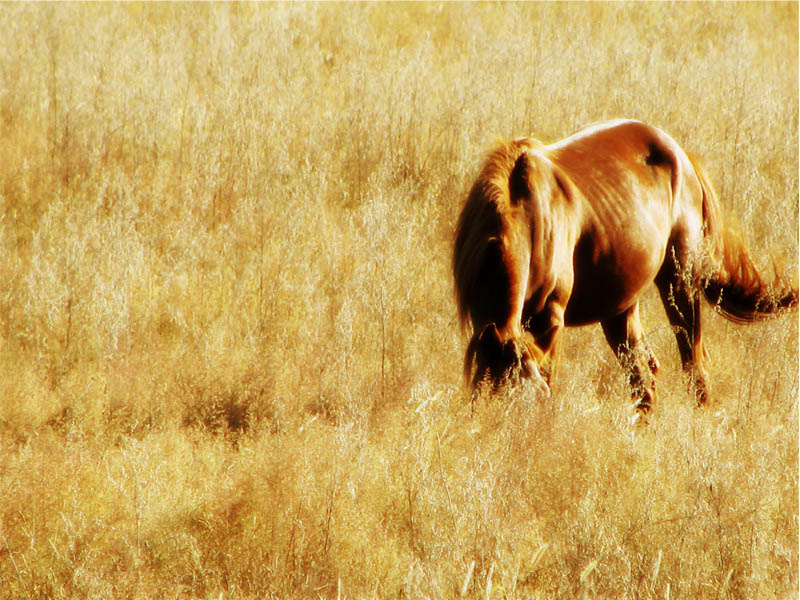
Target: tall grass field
[{"x": 230, "y": 362}]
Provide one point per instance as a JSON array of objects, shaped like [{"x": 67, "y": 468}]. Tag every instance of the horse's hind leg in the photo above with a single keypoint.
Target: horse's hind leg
[
  {"x": 683, "y": 311},
  {"x": 625, "y": 335}
]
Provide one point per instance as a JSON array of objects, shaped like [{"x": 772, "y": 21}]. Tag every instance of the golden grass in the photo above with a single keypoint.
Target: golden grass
[{"x": 231, "y": 364}]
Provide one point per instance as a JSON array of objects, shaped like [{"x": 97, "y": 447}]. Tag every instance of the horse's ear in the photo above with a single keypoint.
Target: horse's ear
[
  {"x": 489, "y": 340},
  {"x": 518, "y": 186}
]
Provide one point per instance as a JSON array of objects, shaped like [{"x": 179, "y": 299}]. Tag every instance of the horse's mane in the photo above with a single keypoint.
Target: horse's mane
[{"x": 482, "y": 218}]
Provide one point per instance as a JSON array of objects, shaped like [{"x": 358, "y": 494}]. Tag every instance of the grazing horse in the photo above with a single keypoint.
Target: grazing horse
[{"x": 572, "y": 233}]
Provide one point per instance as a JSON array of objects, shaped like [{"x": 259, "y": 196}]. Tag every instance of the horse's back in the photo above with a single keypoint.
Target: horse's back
[
  {"x": 616, "y": 158},
  {"x": 624, "y": 173}
]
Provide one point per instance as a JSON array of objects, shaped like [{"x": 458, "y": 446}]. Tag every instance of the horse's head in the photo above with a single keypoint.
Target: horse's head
[{"x": 499, "y": 360}]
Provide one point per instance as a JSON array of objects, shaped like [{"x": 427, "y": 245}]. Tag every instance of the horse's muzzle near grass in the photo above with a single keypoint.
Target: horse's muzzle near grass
[{"x": 572, "y": 233}]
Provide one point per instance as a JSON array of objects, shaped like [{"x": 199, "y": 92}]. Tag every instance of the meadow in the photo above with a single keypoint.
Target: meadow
[{"x": 230, "y": 363}]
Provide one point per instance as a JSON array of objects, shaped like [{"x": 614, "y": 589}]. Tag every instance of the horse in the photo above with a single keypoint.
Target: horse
[{"x": 572, "y": 233}]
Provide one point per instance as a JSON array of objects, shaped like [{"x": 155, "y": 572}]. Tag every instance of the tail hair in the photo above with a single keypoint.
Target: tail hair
[{"x": 729, "y": 279}]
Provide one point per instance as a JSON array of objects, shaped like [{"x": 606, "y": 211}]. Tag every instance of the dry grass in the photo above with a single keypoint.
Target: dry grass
[{"x": 228, "y": 344}]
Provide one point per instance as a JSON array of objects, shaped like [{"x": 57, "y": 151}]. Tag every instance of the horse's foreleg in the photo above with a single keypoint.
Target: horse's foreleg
[
  {"x": 625, "y": 335},
  {"x": 546, "y": 327},
  {"x": 550, "y": 346}
]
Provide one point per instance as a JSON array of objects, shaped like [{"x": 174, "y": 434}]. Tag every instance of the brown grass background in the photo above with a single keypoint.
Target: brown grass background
[{"x": 229, "y": 359}]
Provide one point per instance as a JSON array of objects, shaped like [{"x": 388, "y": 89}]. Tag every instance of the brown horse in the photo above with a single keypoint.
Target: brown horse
[{"x": 573, "y": 232}]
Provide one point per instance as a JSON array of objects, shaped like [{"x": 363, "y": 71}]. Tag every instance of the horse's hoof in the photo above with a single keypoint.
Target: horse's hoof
[
  {"x": 639, "y": 419},
  {"x": 541, "y": 387}
]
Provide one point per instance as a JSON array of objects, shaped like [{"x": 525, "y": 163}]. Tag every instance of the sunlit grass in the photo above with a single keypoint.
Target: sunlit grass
[{"x": 230, "y": 355}]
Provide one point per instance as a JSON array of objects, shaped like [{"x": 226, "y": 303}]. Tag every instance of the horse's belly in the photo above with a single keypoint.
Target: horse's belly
[
  {"x": 586, "y": 308},
  {"x": 607, "y": 284}
]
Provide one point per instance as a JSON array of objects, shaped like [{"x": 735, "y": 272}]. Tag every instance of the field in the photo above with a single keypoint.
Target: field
[{"x": 230, "y": 363}]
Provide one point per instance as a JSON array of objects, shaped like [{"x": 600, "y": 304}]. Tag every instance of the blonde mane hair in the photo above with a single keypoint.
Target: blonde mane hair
[{"x": 483, "y": 218}]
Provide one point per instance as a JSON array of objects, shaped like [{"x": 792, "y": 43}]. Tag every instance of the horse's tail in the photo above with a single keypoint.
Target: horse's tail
[{"x": 727, "y": 275}]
